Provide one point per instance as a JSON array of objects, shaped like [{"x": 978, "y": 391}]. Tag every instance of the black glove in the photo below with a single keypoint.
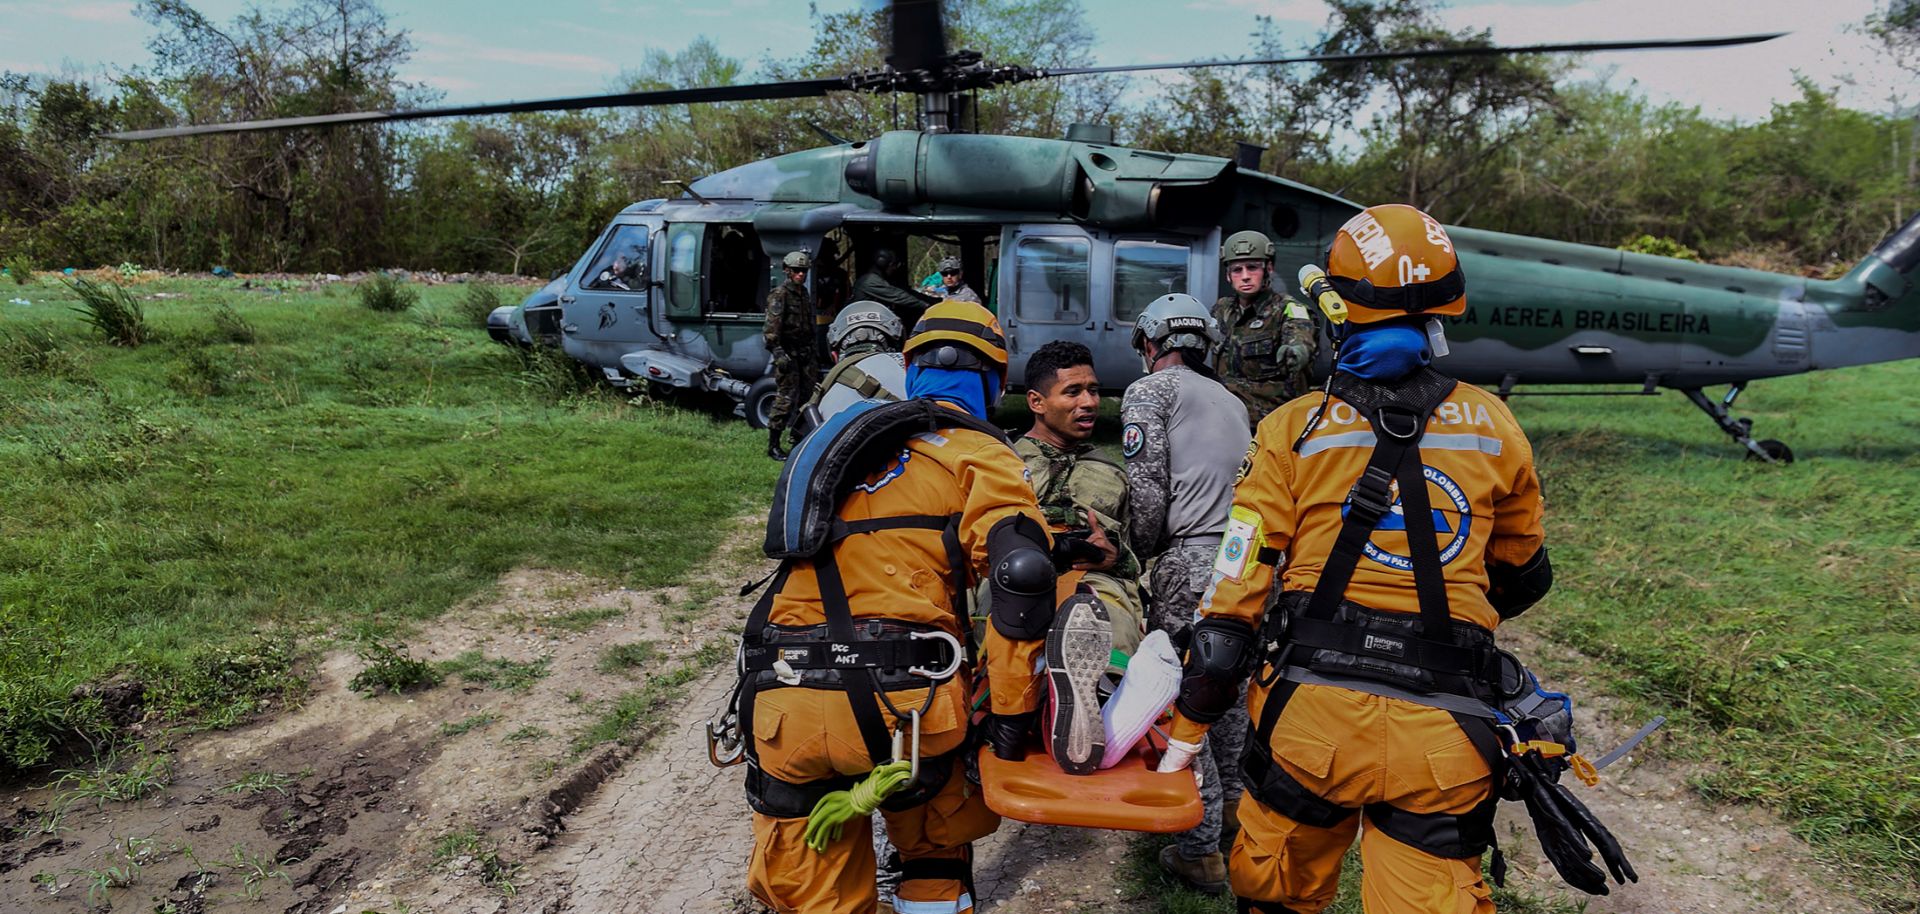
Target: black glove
[
  {"x": 1564, "y": 825},
  {"x": 1072, "y": 548},
  {"x": 1007, "y": 734}
]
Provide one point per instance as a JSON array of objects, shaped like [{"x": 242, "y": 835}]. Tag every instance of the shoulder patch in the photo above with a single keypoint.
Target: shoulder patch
[
  {"x": 1296, "y": 311},
  {"x": 1132, "y": 439},
  {"x": 1246, "y": 463}
]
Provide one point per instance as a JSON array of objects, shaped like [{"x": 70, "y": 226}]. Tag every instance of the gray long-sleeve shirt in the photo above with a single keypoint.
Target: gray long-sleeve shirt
[{"x": 1184, "y": 436}]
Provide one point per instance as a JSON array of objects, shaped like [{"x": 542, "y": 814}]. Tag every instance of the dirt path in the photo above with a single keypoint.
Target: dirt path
[{"x": 467, "y": 798}]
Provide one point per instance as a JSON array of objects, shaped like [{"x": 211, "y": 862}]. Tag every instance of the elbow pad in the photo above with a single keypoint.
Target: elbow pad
[
  {"x": 1219, "y": 656},
  {"x": 1020, "y": 578},
  {"x": 1513, "y": 588}
]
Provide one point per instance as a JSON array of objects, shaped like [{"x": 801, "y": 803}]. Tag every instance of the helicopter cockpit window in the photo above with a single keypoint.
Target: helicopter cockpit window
[
  {"x": 621, "y": 266},
  {"x": 1144, "y": 271},
  {"x": 1052, "y": 280}
]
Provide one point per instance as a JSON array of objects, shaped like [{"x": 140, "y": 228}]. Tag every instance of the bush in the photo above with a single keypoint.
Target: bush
[
  {"x": 221, "y": 685},
  {"x": 112, "y": 311},
  {"x": 1660, "y": 247},
  {"x": 392, "y": 669},
  {"x": 385, "y": 293},
  {"x": 37, "y": 351},
  {"x": 479, "y": 302},
  {"x": 20, "y": 268},
  {"x": 41, "y": 717}
]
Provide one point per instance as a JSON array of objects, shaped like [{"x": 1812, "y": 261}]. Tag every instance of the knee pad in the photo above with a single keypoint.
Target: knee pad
[
  {"x": 1513, "y": 588},
  {"x": 1020, "y": 577},
  {"x": 1219, "y": 655}
]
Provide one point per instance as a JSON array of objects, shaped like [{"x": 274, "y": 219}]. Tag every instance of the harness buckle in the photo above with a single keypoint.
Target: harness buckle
[
  {"x": 726, "y": 745},
  {"x": 952, "y": 667},
  {"x": 1372, "y": 495}
]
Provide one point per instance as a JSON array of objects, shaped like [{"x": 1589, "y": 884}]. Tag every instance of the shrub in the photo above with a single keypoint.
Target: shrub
[
  {"x": 1660, "y": 246},
  {"x": 479, "y": 302},
  {"x": 385, "y": 293},
  {"x": 224, "y": 684},
  {"x": 392, "y": 669},
  {"x": 41, "y": 717},
  {"x": 20, "y": 268},
  {"x": 37, "y": 351},
  {"x": 112, "y": 311}
]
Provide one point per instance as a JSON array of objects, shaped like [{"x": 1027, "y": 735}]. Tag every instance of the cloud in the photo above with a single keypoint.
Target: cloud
[
  {"x": 115, "y": 13},
  {"x": 1313, "y": 11},
  {"x": 449, "y": 83}
]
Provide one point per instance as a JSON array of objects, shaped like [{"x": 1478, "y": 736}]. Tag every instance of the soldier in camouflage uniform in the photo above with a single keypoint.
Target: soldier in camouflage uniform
[
  {"x": 789, "y": 338},
  {"x": 1083, "y": 494},
  {"x": 1183, "y": 432},
  {"x": 1267, "y": 353}
]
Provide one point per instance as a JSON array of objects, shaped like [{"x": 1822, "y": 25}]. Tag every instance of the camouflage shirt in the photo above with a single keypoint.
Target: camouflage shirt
[
  {"x": 1183, "y": 436},
  {"x": 1268, "y": 352},
  {"x": 1069, "y": 482},
  {"x": 789, "y": 327}
]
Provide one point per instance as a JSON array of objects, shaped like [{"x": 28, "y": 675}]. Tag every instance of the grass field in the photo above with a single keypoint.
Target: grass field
[
  {"x": 346, "y": 473},
  {"x": 352, "y": 472}
]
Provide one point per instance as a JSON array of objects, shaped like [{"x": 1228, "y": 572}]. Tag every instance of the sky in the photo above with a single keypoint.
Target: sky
[{"x": 494, "y": 50}]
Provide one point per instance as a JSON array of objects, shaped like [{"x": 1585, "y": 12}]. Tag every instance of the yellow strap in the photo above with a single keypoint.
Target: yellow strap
[{"x": 1546, "y": 748}]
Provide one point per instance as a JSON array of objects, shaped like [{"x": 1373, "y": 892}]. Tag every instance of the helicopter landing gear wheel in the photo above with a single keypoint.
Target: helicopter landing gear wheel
[
  {"x": 758, "y": 404},
  {"x": 1772, "y": 450}
]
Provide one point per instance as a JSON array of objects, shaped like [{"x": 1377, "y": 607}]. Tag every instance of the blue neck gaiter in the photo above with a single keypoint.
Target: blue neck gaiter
[
  {"x": 1385, "y": 352},
  {"x": 973, "y": 391}
]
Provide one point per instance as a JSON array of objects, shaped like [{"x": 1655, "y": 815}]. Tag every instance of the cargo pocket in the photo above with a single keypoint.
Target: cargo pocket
[
  {"x": 1456, "y": 764},
  {"x": 1301, "y": 749},
  {"x": 1472, "y": 895}
]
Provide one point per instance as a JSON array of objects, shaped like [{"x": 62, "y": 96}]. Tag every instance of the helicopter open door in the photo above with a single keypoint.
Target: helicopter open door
[{"x": 1063, "y": 282}]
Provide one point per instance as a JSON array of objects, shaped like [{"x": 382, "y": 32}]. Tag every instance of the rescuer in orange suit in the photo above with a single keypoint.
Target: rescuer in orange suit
[
  {"x": 1407, "y": 513},
  {"x": 897, "y": 581}
]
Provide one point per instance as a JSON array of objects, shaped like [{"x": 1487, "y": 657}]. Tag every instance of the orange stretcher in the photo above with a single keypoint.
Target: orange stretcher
[{"x": 1130, "y": 796}]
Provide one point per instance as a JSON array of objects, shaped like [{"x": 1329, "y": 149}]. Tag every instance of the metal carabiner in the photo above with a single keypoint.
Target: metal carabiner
[
  {"x": 953, "y": 666},
  {"x": 899, "y": 746},
  {"x": 726, "y": 745}
]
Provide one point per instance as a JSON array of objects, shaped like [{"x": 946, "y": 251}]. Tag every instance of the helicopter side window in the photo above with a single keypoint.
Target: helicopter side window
[
  {"x": 683, "y": 269},
  {"x": 1051, "y": 276},
  {"x": 1144, "y": 271},
  {"x": 621, "y": 266}
]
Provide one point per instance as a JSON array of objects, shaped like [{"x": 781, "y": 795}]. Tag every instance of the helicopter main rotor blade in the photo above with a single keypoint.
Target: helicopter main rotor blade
[
  {"x": 1428, "y": 53},
  {"x": 919, "y": 35},
  {"x": 799, "y": 88}
]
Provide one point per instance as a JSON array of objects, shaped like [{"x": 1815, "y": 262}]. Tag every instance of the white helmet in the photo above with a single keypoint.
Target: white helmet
[
  {"x": 864, "y": 321},
  {"x": 1176, "y": 321}
]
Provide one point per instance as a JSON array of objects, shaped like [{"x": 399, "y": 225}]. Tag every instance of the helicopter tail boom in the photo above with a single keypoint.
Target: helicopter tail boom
[{"x": 1875, "y": 308}]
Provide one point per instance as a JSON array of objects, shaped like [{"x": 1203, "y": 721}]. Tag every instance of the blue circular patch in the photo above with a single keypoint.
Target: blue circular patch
[{"x": 1396, "y": 520}]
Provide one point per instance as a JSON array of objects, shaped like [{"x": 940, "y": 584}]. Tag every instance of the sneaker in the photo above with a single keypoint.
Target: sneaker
[
  {"x": 1078, "y": 647},
  {"x": 1151, "y": 684},
  {"x": 1207, "y": 874}
]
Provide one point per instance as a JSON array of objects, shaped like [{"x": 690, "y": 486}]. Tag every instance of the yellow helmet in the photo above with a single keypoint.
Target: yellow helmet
[
  {"x": 1393, "y": 261},
  {"x": 965, "y": 324}
]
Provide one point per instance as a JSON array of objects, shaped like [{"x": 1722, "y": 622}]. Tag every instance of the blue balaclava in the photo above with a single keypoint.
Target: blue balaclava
[
  {"x": 974, "y": 391},
  {"x": 1384, "y": 352}
]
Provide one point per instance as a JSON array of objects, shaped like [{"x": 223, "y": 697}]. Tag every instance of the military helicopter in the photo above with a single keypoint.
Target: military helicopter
[{"x": 1074, "y": 236}]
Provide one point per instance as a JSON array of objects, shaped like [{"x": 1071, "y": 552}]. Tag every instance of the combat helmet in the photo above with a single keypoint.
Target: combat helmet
[
  {"x": 1247, "y": 245},
  {"x": 1393, "y": 261},
  {"x": 950, "y": 265},
  {"x": 1176, "y": 321},
  {"x": 864, "y": 321},
  {"x": 797, "y": 260},
  {"x": 959, "y": 334}
]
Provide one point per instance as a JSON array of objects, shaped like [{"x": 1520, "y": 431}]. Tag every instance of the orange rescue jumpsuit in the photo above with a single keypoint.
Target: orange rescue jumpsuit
[
  {"x": 802, "y": 735},
  {"x": 1353, "y": 748}
]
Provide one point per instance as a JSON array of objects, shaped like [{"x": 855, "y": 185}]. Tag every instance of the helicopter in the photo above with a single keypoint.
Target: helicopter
[{"x": 1073, "y": 236}]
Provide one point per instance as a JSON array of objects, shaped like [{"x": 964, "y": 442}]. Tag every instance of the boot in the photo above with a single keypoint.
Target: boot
[
  {"x": 1229, "y": 824},
  {"x": 774, "y": 449},
  {"x": 1207, "y": 874}
]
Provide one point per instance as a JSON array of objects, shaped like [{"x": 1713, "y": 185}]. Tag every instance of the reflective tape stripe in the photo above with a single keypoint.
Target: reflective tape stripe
[
  {"x": 1485, "y": 444},
  {"x": 908, "y": 906}
]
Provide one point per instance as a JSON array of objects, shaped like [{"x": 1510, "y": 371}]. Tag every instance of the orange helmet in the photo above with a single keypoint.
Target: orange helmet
[
  {"x": 1393, "y": 261},
  {"x": 965, "y": 324}
]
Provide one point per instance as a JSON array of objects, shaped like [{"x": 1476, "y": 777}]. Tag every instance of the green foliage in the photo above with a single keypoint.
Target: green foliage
[
  {"x": 220, "y": 685},
  {"x": 498, "y": 672},
  {"x": 232, "y": 327},
  {"x": 467, "y": 724},
  {"x": 37, "y": 350},
  {"x": 114, "y": 780},
  {"x": 43, "y": 716},
  {"x": 391, "y": 669},
  {"x": 478, "y": 302},
  {"x": 19, "y": 268},
  {"x": 623, "y": 658},
  {"x": 1660, "y": 247},
  {"x": 382, "y": 292},
  {"x": 112, "y": 311},
  {"x": 633, "y": 718},
  {"x": 263, "y": 781}
]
